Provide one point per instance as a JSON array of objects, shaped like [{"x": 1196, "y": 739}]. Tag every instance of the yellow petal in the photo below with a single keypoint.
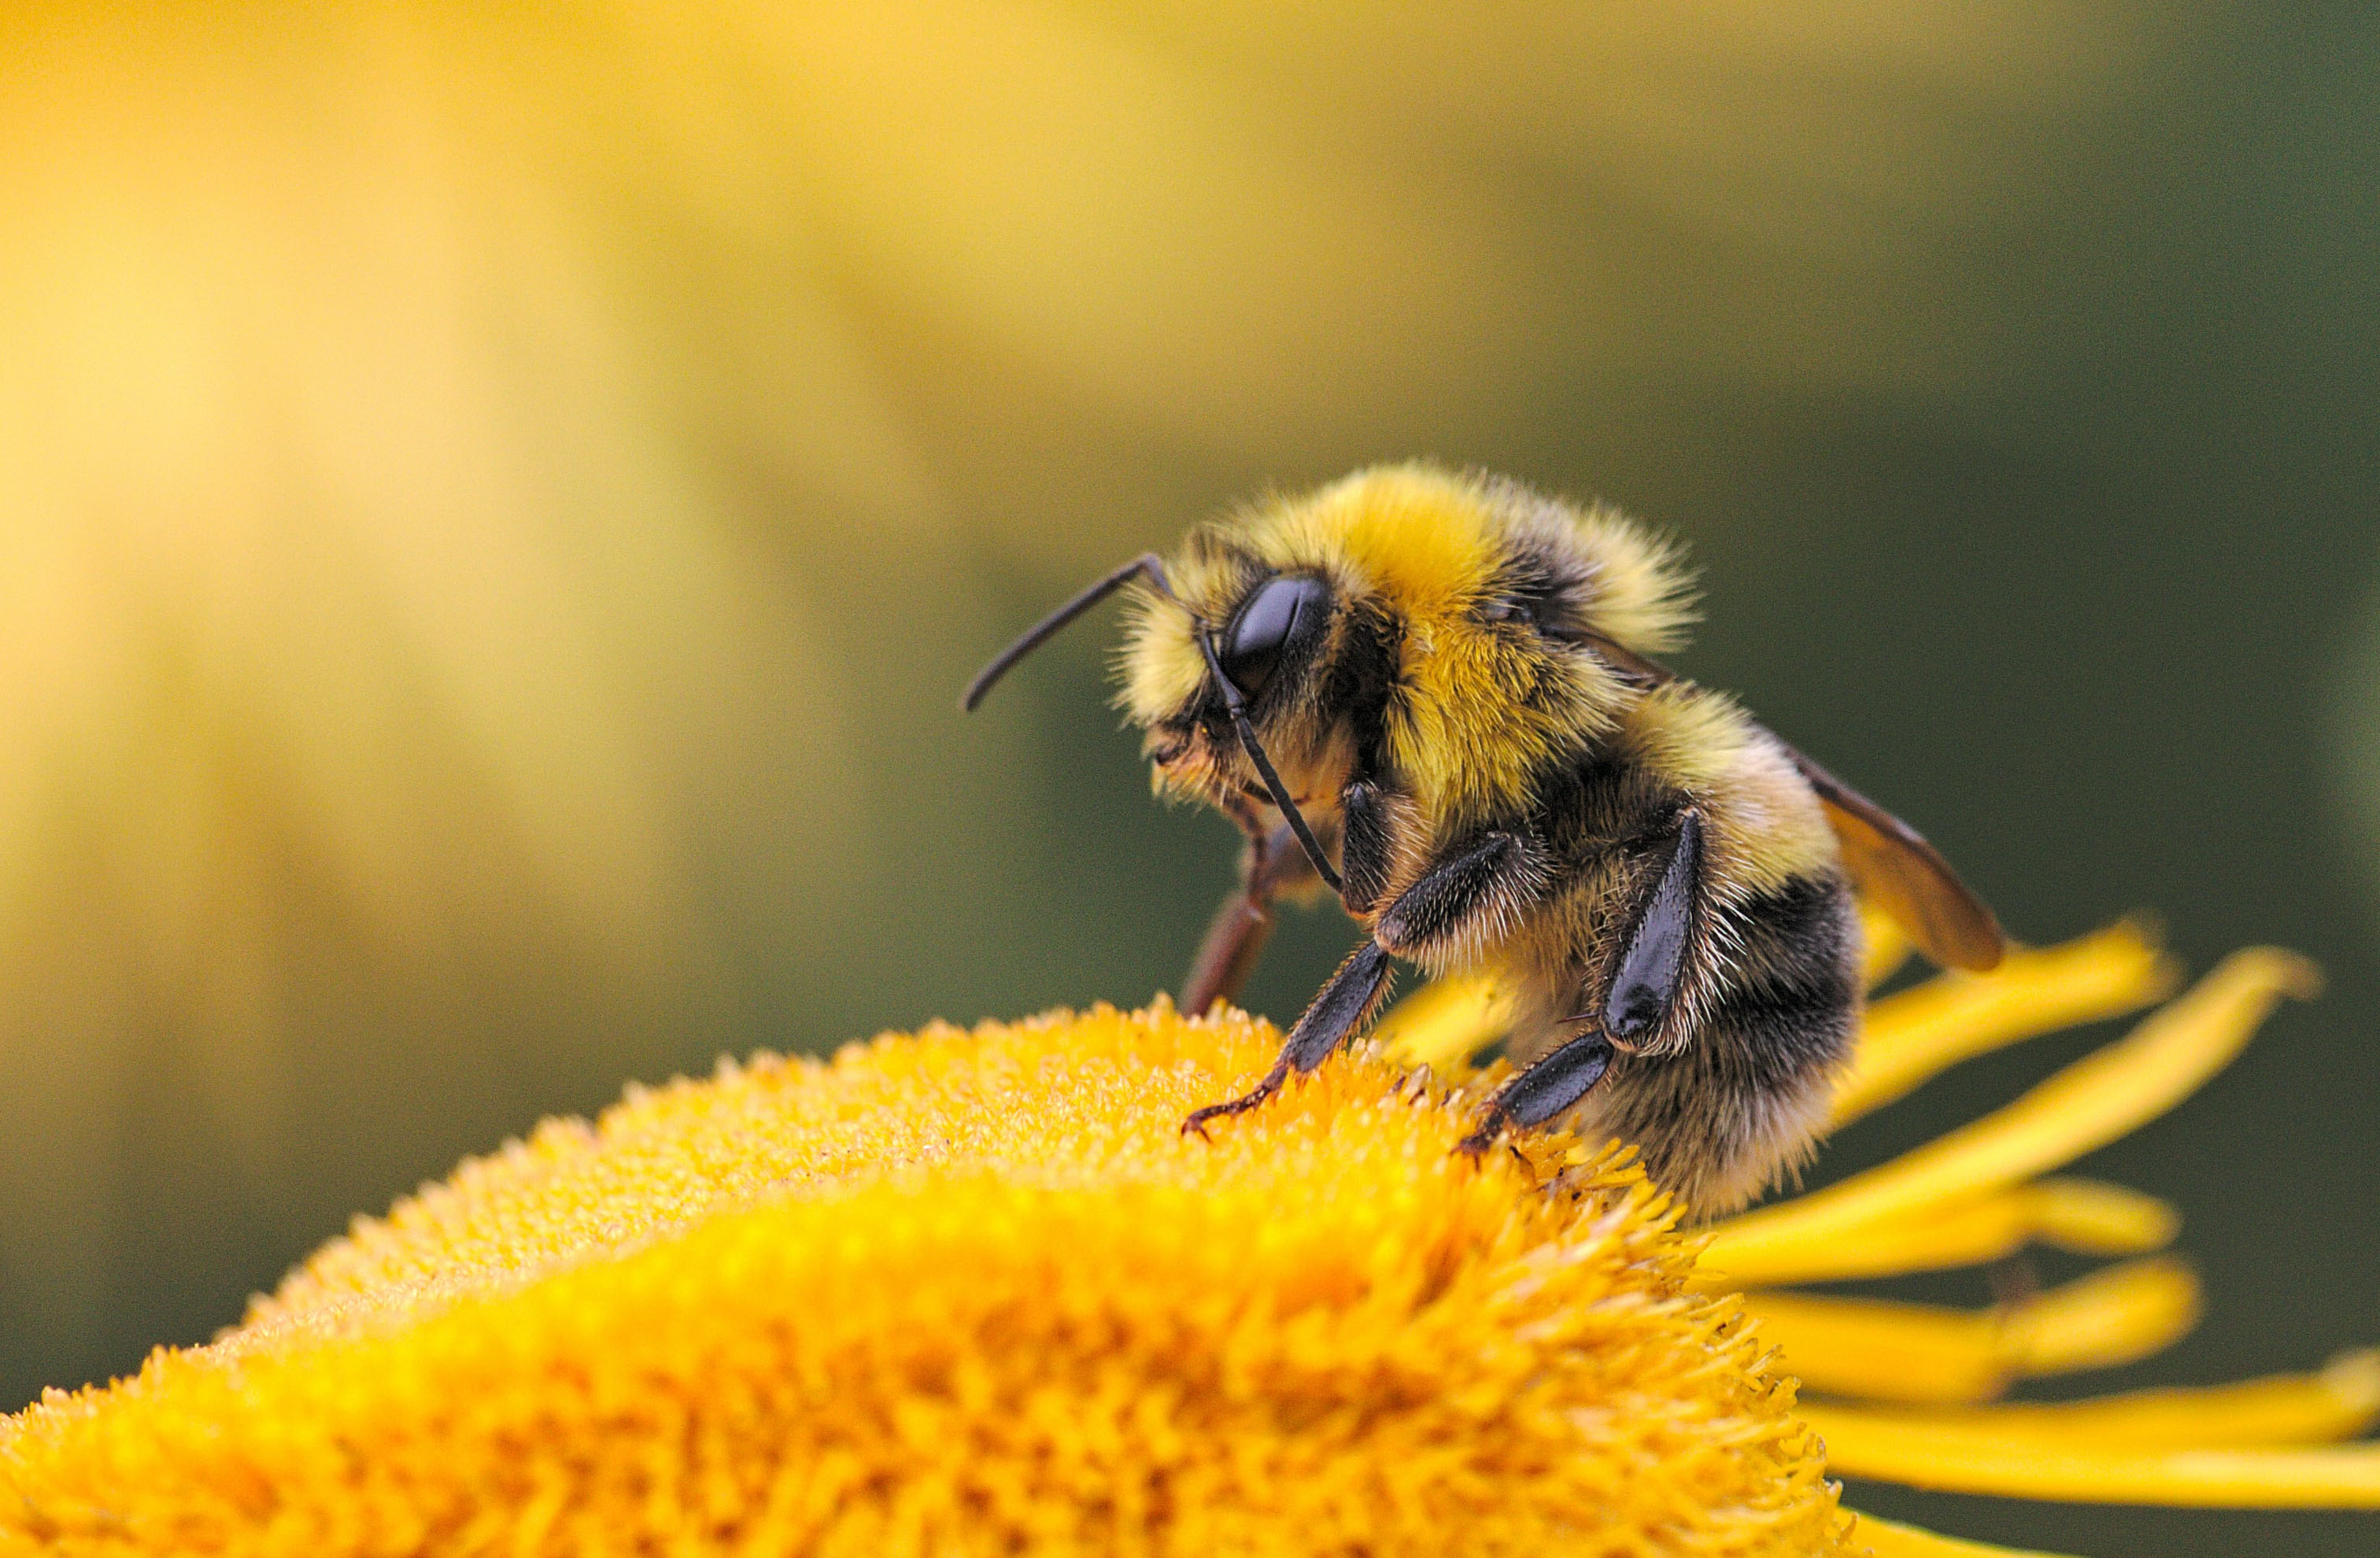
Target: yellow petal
[
  {"x": 1926, "y": 1355},
  {"x": 1890, "y": 1539},
  {"x": 2093, "y": 1217},
  {"x": 1887, "y": 1351},
  {"x": 2118, "y": 1315},
  {"x": 1884, "y": 946},
  {"x": 1955, "y": 1457},
  {"x": 1444, "y": 1024},
  {"x": 2086, "y": 1216},
  {"x": 2091, "y": 1103},
  {"x": 2282, "y": 1409},
  {"x": 1910, "y": 1036}
]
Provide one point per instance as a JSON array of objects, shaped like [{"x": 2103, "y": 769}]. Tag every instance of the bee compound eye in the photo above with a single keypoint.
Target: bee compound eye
[{"x": 1282, "y": 612}]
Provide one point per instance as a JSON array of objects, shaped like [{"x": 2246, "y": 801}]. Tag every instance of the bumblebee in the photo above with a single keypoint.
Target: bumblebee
[{"x": 1434, "y": 694}]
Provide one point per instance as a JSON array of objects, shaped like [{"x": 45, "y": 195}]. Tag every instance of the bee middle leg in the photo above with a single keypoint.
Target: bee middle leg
[
  {"x": 1346, "y": 1003},
  {"x": 1478, "y": 880}
]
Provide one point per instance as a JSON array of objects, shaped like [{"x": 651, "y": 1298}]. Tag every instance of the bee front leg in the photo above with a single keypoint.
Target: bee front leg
[
  {"x": 1274, "y": 866},
  {"x": 1460, "y": 899},
  {"x": 1235, "y": 938}
]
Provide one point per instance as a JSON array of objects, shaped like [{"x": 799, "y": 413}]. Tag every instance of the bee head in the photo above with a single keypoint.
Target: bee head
[
  {"x": 1273, "y": 633},
  {"x": 1404, "y": 621},
  {"x": 1202, "y": 735},
  {"x": 1226, "y": 677}
]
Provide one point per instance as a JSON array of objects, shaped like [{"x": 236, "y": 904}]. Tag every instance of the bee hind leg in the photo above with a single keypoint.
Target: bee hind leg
[
  {"x": 1643, "y": 989},
  {"x": 1544, "y": 1091}
]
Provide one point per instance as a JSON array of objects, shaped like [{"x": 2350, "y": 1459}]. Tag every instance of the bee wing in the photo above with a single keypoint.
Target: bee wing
[
  {"x": 1891, "y": 864},
  {"x": 1888, "y": 861}
]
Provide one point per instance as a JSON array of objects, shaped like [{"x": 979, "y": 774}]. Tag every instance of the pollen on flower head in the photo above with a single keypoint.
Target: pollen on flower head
[{"x": 970, "y": 1292}]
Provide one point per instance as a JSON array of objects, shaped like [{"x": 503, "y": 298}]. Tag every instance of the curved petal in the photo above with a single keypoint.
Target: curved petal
[
  {"x": 1890, "y": 1539},
  {"x": 1962, "y": 1459},
  {"x": 2086, "y": 1216},
  {"x": 1924, "y": 1354},
  {"x": 2089, "y": 1104},
  {"x": 2339, "y": 1402},
  {"x": 1910, "y": 1036}
]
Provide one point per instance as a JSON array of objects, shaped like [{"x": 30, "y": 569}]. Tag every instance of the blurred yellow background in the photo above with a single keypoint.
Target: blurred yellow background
[{"x": 496, "y": 502}]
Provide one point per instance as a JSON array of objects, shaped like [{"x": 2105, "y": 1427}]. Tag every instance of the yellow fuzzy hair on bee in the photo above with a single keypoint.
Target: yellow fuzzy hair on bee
[
  {"x": 1430, "y": 546},
  {"x": 1434, "y": 693}
]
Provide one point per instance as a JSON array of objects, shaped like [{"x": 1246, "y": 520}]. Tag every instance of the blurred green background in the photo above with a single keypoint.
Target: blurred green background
[{"x": 496, "y": 503}]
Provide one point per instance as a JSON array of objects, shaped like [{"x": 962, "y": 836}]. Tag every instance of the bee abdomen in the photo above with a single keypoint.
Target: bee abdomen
[
  {"x": 1740, "y": 1103},
  {"x": 1794, "y": 979}
]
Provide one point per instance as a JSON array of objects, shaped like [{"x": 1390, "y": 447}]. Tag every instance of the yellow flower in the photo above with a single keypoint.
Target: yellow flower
[
  {"x": 1907, "y": 1377},
  {"x": 974, "y": 1292}
]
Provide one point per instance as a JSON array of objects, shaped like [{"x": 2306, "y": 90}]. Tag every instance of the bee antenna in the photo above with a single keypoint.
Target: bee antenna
[
  {"x": 1237, "y": 707},
  {"x": 1147, "y": 566}
]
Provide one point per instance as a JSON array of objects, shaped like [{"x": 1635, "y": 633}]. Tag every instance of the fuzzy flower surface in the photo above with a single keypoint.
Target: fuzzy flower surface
[
  {"x": 969, "y": 1292},
  {"x": 975, "y": 1292}
]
